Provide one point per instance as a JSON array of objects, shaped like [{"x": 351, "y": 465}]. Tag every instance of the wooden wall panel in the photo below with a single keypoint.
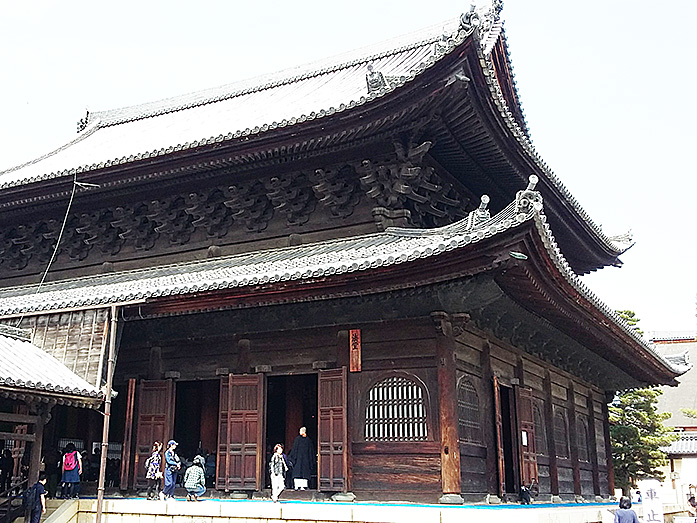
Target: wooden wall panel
[
  {"x": 566, "y": 479},
  {"x": 544, "y": 481},
  {"x": 375, "y": 472},
  {"x": 75, "y": 338}
]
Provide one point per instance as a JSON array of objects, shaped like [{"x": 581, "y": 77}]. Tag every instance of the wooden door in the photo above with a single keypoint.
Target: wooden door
[
  {"x": 526, "y": 435},
  {"x": 240, "y": 433},
  {"x": 155, "y": 422},
  {"x": 331, "y": 431},
  {"x": 498, "y": 419}
]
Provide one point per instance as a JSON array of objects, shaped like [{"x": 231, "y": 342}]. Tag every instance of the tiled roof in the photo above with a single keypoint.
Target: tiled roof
[
  {"x": 293, "y": 96},
  {"x": 25, "y": 367},
  {"x": 307, "y": 262},
  {"x": 237, "y": 110},
  {"x": 687, "y": 444}
]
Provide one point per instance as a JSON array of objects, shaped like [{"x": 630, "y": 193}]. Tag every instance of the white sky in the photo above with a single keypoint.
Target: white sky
[{"x": 607, "y": 87}]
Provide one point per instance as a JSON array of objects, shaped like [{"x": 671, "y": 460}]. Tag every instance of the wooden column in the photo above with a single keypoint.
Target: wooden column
[
  {"x": 243, "y": 360},
  {"x": 549, "y": 422},
  {"x": 36, "y": 447},
  {"x": 608, "y": 447},
  {"x": 593, "y": 437},
  {"x": 573, "y": 437},
  {"x": 489, "y": 431},
  {"x": 447, "y": 402},
  {"x": 128, "y": 436},
  {"x": 342, "y": 357}
]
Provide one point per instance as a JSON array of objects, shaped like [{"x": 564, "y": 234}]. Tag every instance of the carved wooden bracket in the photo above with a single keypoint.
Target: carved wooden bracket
[{"x": 450, "y": 324}]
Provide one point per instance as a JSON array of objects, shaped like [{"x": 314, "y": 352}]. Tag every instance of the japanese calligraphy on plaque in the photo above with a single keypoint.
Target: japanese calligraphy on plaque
[{"x": 355, "y": 350}]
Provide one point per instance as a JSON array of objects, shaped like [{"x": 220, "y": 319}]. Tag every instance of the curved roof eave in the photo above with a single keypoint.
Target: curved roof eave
[
  {"x": 522, "y": 139},
  {"x": 321, "y": 260}
]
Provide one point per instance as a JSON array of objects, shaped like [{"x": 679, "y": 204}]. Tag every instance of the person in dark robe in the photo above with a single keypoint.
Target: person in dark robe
[{"x": 302, "y": 455}]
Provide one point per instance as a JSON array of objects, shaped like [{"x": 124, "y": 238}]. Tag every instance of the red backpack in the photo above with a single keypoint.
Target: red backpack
[{"x": 70, "y": 460}]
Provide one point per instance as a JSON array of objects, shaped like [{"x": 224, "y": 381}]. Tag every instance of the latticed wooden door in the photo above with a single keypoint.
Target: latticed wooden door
[
  {"x": 240, "y": 433},
  {"x": 332, "y": 433},
  {"x": 155, "y": 421},
  {"x": 526, "y": 434}
]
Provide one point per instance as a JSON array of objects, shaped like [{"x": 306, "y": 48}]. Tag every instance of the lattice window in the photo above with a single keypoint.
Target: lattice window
[
  {"x": 396, "y": 411},
  {"x": 561, "y": 435},
  {"x": 540, "y": 431},
  {"x": 582, "y": 442},
  {"x": 600, "y": 443},
  {"x": 469, "y": 426}
]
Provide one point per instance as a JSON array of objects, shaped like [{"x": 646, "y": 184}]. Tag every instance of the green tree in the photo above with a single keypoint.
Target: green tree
[
  {"x": 637, "y": 434},
  {"x": 631, "y": 318}
]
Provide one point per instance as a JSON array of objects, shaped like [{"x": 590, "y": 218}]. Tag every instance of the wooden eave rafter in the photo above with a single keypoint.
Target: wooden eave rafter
[
  {"x": 48, "y": 397},
  {"x": 581, "y": 245},
  {"x": 504, "y": 74},
  {"x": 538, "y": 286}
]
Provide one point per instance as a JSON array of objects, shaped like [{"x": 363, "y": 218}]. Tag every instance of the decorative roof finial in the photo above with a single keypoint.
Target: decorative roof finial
[
  {"x": 528, "y": 200},
  {"x": 480, "y": 214},
  {"x": 532, "y": 182},
  {"x": 81, "y": 124},
  {"x": 375, "y": 80},
  {"x": 470, "y": 20}
]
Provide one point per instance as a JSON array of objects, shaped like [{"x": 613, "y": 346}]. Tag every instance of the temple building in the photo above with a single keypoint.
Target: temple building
[{"x": 368, "y": 246}]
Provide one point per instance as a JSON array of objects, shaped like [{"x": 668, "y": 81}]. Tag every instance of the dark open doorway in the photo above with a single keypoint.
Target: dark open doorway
[
  {"x": 509, "y": 443},
  {"x": 291, "y": 403},
  {"x": 196, "y": 417}
]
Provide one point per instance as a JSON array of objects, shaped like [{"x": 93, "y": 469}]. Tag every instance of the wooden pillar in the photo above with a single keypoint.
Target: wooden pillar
[
  {"x": 342, "y": 357},
  {"x": 447, "y": 402},
  {"x": 608, "y": 447},
  {"x": 593, "y": 437},
  {"x": 155, "y": 363},
  {"x": 489, "y": 430},
  {"x": 551, "y": 445},
  {"x": 128, "y": 436},
  {"x": 243, "y": 361},
  {"x": 573, "y": 437}
]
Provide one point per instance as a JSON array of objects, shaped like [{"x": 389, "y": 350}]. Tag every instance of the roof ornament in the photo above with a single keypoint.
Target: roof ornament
[
  {"x": 528, "y": 200},
  {"x": 470, "y": 20},
  {"x": 481, "y": 20},
  {"x": 624, "y": 239},
  {"x": 441, "y": 45},
  {"x": 82, "y": 123},
  {"x": 375, "y": 80},
  {"x": 479, "y": 215}
]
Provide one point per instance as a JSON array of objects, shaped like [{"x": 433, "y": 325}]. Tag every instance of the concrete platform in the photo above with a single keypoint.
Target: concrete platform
[{"x": 139, "y": 510}]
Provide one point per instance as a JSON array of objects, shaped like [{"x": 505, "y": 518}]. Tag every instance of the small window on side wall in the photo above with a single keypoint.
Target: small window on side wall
[
  {"x": 396, "y": 411},
  {"x": 469, "y": 426}
]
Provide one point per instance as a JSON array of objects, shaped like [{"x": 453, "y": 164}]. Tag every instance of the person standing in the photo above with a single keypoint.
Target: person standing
[
  {"x": 302, "y": 456},
  {"x": 6, "y": 466},
  {"x": 153, "y": 471},
  {"x": 172, "y": 466},
  {"x": 72, "y": 468},
  {"x": 278, "y": 469},
  {"x": 52, "y": 462},
  {"x": 35, "y": 500},
  {"x": 625, "y": 514},
  {"x": 195, "y": 479}
]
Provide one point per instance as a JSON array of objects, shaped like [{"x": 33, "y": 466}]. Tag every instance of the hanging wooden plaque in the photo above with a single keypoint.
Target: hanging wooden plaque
[{"x": 355, "y": 350}]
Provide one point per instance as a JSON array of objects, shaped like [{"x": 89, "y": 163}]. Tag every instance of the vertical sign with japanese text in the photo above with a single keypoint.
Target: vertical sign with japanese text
[
  {"x": 651, "y": 500},
  {"x": 355, "y": 350}
]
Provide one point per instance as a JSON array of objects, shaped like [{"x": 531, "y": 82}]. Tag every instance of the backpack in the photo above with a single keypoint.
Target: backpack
[
  {"x": 147, "y": 463},
  {"x": 70, "y": 460},
  {"x": 29, "y": 498}
]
